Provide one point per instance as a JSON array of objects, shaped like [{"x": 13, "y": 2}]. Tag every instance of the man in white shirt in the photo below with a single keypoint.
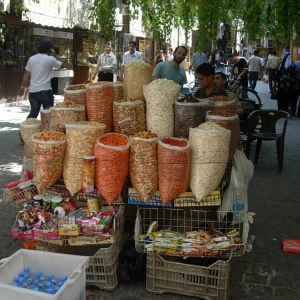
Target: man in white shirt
[
  {"x": 106, "y": 65},
  {"x": 132, "y": 54},
  {"x": 197, "y": 60},
  {"x": 272, "y": 65},
  {"x": 262, "y": 66},
  {"x": 38, "y": 74},
  {"x": 170, "y": 56},
  {"x": 254, "y": 64}
]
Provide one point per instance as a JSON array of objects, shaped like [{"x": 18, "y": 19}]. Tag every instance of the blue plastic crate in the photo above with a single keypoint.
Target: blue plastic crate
[{"x": 134, "y": 198}]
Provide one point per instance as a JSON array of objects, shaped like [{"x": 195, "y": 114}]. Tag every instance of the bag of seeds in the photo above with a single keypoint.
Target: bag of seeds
[
  {"x": 75, "y": 93},
  {"x": 118, "y": 90},
  {"x": 137, "y": 73},
  {"x": 81, "y": 139},
  {"x": 28, "y": 128},
  {"x": 173, "y": 167},
  {"x": 209, "y": 155},
  {"x": 45, "y": 119},
  {"x": 64, "y": 112},
  {"x": 143, "y": 170},
  {"x": 112, "y": 160},
  {"x": 99, "y": 103},
  {"x": 188, "y": 115},
  {"x": 229, "y": 121},
  {"x": 160, "y": 96},
  {"x": 49, "y": 150},
  {"x": 129, "y": 116}
]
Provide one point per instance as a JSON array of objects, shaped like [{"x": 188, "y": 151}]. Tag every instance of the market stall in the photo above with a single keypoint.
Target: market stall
[{"x": 100, "y": 144}]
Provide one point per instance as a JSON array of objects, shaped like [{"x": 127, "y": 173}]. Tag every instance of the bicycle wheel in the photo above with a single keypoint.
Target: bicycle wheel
[{"x": 252, "y": 96}]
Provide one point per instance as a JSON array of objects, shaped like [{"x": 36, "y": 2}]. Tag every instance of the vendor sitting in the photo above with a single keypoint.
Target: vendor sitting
[{"x": 205, "y": 74}]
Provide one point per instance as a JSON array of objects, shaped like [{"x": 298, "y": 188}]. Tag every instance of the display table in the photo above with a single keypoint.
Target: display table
[{"x": 60, "y": 80}]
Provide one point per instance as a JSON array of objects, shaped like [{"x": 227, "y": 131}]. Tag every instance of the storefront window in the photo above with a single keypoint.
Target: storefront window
[
  {"x": 87, "y": 49},
  {"x": 15, "y": 49}
]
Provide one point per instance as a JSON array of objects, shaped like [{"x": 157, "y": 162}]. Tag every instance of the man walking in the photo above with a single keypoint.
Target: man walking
[
  {"x": 38, "y": 74},
  {"x": 106, "y": 65},
  {"x": 254, "y": 64},
  {"x": 272, "y": 65},
  {"x": 240, "y": 68}
]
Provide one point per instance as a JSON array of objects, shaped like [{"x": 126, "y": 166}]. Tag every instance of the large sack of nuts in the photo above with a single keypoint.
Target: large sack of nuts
[
  {"x": 81, "y": 139},
  {"x": 229, "y": 121},
  {"x": 45, "y": 119},
  {"x": 209, "y": 155},
  {"x": 28, "y": 128},
  {"x": 129, "y": 116},
  {"x": 112, "y": 159},
  {"x": 137, "y": 73},
  {"x": 228, "y": 104},
  {"x": 64, "y": 112},
  {"x": 173, "y": 167},
  {"x": 75, "y": 93},
  {"x": 143, "y": 170},
  {"x": 160, "y": 96},
  {"x": 118, "y": 90},
  {"x": 188, "y": 114},
  {"x": 99, "y": 103},
  {"x": 49, "y": 150}
]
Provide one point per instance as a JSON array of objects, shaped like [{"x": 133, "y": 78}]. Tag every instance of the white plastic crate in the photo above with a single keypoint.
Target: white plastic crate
[
  {"x": 61, "y": 265},
  {"x": 184, "y": 222},
  {"x": 210, "y": 283}
]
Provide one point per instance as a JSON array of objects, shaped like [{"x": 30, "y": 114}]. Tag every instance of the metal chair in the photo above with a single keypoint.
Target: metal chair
[{"x": 267, "y": 131}]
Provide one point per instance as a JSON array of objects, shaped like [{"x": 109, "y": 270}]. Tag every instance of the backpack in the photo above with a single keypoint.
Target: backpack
[{"x": 286, "y": 78}]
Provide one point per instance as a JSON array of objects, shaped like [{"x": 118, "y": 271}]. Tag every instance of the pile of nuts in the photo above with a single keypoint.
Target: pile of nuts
[{"x": 75, "y": 93}]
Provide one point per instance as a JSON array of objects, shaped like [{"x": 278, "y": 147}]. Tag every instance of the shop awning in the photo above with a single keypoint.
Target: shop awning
[{"x": 57, "y": 13}]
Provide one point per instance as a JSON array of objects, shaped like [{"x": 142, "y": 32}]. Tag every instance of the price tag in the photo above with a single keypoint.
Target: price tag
[{"x": 25, "y": 184}]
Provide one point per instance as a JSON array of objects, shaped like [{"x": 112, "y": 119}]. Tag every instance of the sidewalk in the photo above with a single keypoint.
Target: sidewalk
[{"x": 265, "y": 273}]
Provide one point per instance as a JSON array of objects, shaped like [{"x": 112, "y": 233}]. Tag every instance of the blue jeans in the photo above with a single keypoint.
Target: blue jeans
[
  {"x": 37, "y": 99},
  {"x": 253, "y": 76}
]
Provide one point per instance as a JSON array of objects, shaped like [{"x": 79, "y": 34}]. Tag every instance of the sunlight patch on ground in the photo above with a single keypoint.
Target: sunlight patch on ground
[
  {"x": 11, "y": 167},
  {"x": 8, "y": 129}
]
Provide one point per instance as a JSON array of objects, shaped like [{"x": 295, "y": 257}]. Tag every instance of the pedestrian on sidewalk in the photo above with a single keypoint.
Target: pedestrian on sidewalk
[
  {"x": 37, "y": 76},
  {"x": 254, "y": 64},
  {"x": 240, "y": 68},
  {"x": 272, "y": 65},
  {"x": 197, "y": 60},
  {"x": 262, "y": 66},
  {"x": 286, "y": 77},
  {"x": 295, "y": 107},
  {"x": 106, "y": 66}
]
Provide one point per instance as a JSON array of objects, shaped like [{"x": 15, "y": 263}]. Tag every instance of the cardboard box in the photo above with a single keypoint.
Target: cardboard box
[
  {"x": 91, "y": 240},
  {"x": 28, "y": 151},
  {"x": 291, "y": 245},
  {"x": 50, "y": 234},
  {"x": 64, "y": 228}
]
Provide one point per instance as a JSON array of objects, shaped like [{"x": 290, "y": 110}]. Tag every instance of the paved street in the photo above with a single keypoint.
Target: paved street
[{"x": 265, "y": 273}]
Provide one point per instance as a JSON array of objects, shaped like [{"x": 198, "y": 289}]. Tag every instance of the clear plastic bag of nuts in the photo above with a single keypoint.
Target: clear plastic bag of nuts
[
  {"x": 28, "y": 128},
  {"x": 129, "y": 117},
  {"x": 173, "y": 167},
  {"x": 143, "y": 168},
  {"x": 64, "y": 112},
  {"x": 75, "y": 93},
  {"x": 229, "y": 121},
  {"x": 45, "y": 119}
]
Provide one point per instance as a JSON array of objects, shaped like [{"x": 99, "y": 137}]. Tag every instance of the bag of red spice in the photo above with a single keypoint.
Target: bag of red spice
[
  {"x": 112, "y": 159},
  {"x": 173, "y": 167}
]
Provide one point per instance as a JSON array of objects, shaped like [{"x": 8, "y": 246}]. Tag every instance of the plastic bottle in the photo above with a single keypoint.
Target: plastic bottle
[
  {"x": 56, "y": 289},
  {"x": 26, "y": 270},
  {"x": 50, "y": 290},
  {"x": 22, "y": 283},
  {"x": 60, "y": 283},
  {"x": 27, "y": 279},
  {"x": 64, "y": 278},
  {"x": 16, "y": 281},
  {"x": 21, "y": 275},
  {"x": 39, "y": 276},
  {"x": 52, "y": 279}
]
